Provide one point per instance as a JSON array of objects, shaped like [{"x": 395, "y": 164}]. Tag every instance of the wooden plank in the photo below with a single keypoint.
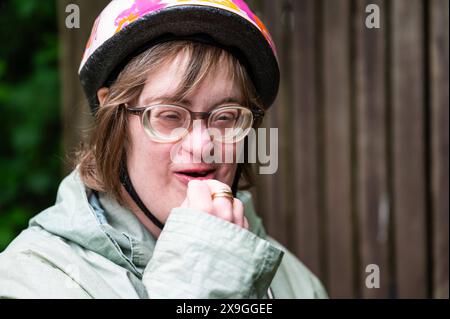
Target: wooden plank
[
  {"x": 277, "y": 14},
  {"x": 336, "y": 80},
  {"x": 284, "y": 22},
  {"x": 372, "y": 193},
  {"x": 438, "y": 84},
  {"x": 408, "y": 148},
  {"x": 304, "y": 139},
  {"x": 76, "y": 116},
  {"x": 273, "y": 187},
  {"x": 265, "y": 197}
]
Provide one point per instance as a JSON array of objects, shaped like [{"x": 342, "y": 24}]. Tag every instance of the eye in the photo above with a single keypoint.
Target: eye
[
  {"x": 225, "y": 116},
  {"x": 169, "y": 116}
]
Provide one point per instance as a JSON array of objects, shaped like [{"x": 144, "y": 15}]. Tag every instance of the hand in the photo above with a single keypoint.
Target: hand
[{"x": 199, "y": 194}]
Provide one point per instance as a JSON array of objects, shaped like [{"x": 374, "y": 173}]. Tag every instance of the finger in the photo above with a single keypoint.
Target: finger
[
  {"x": 199, "y": 196},
  {"x": 216, "y": 185},
  {"x": 246, "y": 225},
  {"x": 238, "y": 212},
  {"x": 222, "y": 206}
]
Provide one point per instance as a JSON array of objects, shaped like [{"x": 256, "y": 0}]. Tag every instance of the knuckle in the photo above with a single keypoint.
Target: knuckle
[
  {"x": 238, "y": 204},
  {"x": 205, "y": 207},
  {"x": 194, "y": 184},
  {"x": 246, "y": 224},
  {"x": 222, "y": 209},
  {"x": 215, "y": 184}
]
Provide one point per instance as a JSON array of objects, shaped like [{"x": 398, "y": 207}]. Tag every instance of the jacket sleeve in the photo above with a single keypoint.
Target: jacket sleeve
[
  {"x": 201, "y": 256},
  {"x": 26, "y": 275}
]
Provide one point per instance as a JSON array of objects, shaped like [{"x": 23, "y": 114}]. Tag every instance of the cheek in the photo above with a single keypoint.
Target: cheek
[
  {"x": 151, "y": 156},
  {"x": 226, "y": 173},
  {"x": 227, "y": 170},
  {"x": 146, "y": 156}
]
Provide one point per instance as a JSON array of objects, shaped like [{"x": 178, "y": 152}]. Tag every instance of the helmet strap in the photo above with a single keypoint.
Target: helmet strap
[
  {"x": 126, "y": 182},
  {"x": 237, "y": 176}
]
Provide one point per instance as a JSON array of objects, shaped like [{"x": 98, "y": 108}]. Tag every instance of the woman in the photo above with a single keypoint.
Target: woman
[{"x": 144, "y": 215}]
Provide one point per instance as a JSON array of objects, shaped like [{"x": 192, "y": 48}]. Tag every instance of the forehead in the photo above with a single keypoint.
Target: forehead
[{"x": 166, "y": 80}]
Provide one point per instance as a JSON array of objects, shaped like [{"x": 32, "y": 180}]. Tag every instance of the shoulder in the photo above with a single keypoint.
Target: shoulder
[
  {"x": 28, "y": 270},
  {"x": 293, "y": 279}
]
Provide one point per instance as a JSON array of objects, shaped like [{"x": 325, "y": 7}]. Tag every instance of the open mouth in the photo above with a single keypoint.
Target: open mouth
[
  {"x": 188, "y": 175},
  {"x": 196, "y": 174}
]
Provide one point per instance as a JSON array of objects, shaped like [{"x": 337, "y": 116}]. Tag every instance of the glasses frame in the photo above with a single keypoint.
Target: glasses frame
[{"x": 257, "y": 114}]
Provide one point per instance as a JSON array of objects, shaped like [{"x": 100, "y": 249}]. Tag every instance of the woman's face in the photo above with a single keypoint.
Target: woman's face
[{"x": 159, "y": 173}]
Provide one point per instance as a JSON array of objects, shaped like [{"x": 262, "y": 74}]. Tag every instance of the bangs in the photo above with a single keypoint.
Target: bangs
[{"x": 203, "y": 60}]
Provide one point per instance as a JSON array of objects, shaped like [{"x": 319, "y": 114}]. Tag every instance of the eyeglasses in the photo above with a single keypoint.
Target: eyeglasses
[{"x": 170, "y": 123}]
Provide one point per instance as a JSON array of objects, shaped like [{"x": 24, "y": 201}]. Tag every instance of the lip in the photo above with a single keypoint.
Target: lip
[{"x": 185, "y": 179}]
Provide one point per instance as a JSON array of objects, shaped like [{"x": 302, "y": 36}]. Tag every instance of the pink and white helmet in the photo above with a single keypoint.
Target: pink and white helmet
[{"x": 126, "y": 27}]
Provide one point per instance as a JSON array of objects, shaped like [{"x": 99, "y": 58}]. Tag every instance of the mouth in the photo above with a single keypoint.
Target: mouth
[{"x": 187, "y": 175}]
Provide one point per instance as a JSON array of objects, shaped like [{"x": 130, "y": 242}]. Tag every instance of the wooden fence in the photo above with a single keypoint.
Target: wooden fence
[{"x": 363, "y": 139}]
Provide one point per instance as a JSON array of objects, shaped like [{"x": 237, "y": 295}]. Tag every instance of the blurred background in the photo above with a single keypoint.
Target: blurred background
[{"x": 363, "y": 133}]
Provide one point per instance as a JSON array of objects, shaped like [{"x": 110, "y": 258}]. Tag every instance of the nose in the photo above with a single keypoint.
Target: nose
[{"x": 198, "y": 141}]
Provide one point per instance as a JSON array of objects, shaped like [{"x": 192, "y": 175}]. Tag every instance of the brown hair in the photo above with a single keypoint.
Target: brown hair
[{"x": 101, "y": 159}]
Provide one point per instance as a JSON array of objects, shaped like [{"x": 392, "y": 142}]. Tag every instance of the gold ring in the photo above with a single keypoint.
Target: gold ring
[{"x": 223, "y": 193}]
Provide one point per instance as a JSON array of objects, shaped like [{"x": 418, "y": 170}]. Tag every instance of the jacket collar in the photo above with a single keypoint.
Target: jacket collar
[{"x": 98, "y": 223}]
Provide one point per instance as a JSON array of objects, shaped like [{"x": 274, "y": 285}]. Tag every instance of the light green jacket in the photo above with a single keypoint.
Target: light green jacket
[{"x": 72, "y": 250}]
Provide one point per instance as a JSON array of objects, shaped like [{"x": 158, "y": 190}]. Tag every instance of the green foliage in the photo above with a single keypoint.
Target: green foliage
[{"x": 30, "y": 151}]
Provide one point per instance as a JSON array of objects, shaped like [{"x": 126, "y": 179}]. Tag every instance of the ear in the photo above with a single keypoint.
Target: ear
[{"x": 102, "y": 94}]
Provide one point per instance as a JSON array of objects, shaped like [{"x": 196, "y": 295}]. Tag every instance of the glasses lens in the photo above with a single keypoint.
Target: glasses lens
[
  {"x": 230, "y": 124},
  {"x": 166, "y": 122}
]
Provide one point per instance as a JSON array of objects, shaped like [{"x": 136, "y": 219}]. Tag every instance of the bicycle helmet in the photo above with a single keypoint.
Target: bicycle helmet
[{"x": 127, "y": 27}]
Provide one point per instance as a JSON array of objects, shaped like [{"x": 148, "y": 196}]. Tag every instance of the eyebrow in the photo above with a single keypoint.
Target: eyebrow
[{"x": 186, "y": 102}]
